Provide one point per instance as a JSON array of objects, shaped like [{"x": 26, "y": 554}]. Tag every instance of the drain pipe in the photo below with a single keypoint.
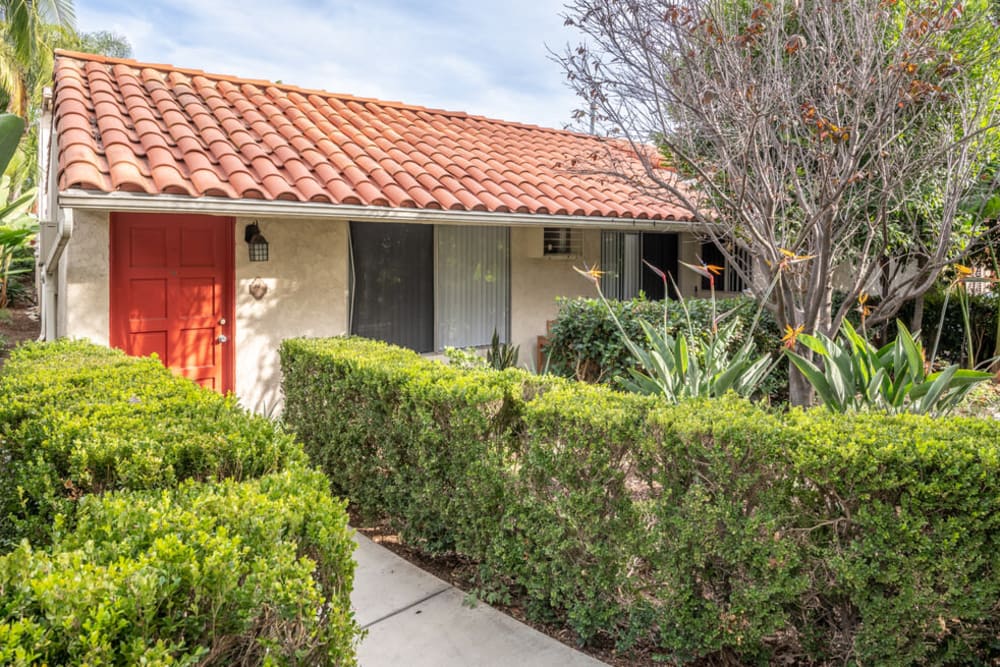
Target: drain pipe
[
  {"x": 50, "y": 276},
  {"x": 51, "y": 248}
]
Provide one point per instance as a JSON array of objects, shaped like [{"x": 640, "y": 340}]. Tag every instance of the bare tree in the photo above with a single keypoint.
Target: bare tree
[{"x": 833, "y": 140}]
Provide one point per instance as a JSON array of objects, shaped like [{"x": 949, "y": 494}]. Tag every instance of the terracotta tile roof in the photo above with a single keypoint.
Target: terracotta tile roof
[{"x": 146, "y": 128}]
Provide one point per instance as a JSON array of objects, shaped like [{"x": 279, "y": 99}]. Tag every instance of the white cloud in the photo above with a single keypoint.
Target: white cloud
[{"x": 487, "y": 58}]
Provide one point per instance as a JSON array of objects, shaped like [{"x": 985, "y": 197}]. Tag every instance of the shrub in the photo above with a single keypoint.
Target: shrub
[
  {"x": 584, "y": 342},
  {"x": 408, "y": 433},
  {"x": 952, "y": 344},
  {"x": 148, "y": 521},
  {"x": 905, "y": 518},
  {"x": 222, "y": 573},
  {"x": 79, "y": 419},
  {"x": 712, "y": 528},
  {"x": 858, "y": 376}
]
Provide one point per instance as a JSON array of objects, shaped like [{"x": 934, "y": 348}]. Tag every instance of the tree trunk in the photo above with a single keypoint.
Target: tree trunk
[
  {"x": 800, "y": 392},
  {"x": 917, "y": 322}
]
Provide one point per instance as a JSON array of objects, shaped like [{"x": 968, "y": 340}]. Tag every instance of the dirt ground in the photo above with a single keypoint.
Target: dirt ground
[{"x": 17, "y": 325}]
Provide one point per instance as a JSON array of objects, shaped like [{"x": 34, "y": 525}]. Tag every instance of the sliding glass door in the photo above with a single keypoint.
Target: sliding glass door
[
  {"x": 393, "y": 296},
  {"x": 622, "y": 255},
  {"x": 473, "y": 285},
  {"x": 427, "y": 287}
]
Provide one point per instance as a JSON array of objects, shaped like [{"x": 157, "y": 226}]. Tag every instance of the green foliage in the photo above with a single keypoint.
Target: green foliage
[
  {"x": 467, "y": 358},
  {"x": 429, "y": 426},
  {"x": 585, "y": 344},
  {"x": 685, "y": 367},
  {"x": 144, "y": 518},
  {"x": 501, "y": 356},
  {"x": 222, "y": 573},
  {"x": 13, "y": 243},
  {"x": 858, "y": 376},
  {"x": 103, "y": 42},
  {"x": 80, "y": 419},
  {"x": 711, "y": 529},
  {"x": 952, "y": 342},
  {"x": 16, "y": 223},
  {"x": 689, "y": 364},
  {"x": 11, "y": 131}
]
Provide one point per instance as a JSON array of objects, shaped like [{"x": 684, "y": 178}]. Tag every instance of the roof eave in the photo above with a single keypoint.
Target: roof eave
[{"x": 126, "y": 201}]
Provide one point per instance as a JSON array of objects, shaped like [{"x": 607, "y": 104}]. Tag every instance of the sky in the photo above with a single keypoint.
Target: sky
[{"x": 485, "y": 57}]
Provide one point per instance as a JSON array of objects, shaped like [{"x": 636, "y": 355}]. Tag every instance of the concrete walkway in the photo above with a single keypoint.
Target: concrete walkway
[{"x": 415, "y": 619}]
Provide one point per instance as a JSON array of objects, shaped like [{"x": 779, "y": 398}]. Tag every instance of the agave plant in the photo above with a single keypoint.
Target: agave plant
[
  {"x": 857, "y": 376},
  {"x": 501, "y": 355},
  {"x": 690, "y": 365},
  {"x": 685, "y": 366}
]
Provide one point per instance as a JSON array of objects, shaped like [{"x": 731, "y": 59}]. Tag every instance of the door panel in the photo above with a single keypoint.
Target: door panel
[{"x": 172, "y": 289}]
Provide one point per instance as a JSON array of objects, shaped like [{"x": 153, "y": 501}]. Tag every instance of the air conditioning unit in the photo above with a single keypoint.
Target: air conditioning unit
[{"x": 556, "y": 243}]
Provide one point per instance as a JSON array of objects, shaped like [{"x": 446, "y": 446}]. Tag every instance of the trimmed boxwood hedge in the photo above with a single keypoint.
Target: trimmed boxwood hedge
[
  {"x": 712, "y": 529},
  {"x": 144, "y": 520}
]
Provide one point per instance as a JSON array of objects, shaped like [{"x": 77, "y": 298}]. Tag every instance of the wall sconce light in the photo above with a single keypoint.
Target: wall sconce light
[{"x": 256, "y": 243}]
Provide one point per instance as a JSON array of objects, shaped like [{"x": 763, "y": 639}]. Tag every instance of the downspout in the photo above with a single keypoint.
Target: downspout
[
  {"x": 50, "y": 277},
  {"x": 51, "y": 248}
]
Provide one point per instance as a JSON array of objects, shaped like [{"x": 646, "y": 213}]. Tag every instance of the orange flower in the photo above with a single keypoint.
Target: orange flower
[
  {"x": 707, "y": 270},
  {"x": 863, "y": 308},
  {"x": 793, "y": 258},
  {"x": 963, "y": 271},
  {"x": 789, "y": 258},
  {"x": 791, "y": 336},
  {"x": 592, "y": 273}
]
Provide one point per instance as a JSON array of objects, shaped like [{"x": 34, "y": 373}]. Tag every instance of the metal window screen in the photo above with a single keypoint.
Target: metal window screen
[{"x": 393, "y": 298}]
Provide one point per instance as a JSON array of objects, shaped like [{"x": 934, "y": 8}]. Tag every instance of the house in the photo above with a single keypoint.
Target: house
[{"x": 206, "y": 218}]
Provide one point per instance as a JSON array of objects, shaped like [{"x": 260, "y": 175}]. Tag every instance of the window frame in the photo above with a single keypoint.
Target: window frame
[{"x": 433, "y": 265}]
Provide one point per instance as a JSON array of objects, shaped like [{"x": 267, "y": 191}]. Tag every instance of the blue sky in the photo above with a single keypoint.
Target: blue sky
[{"x": 486, "y": 57}]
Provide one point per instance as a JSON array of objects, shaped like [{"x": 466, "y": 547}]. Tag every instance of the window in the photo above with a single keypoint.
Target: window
[
  {"x": 426, "y": 287},
  {"x": 561, "y": 241},
  {"x": 472, "y": 286},
  {"x": 730, "y": 280},
  {"x": 620, "y": 261},
  {"x": 625, "y": 275},
  {"x": 393, "y": 296}
]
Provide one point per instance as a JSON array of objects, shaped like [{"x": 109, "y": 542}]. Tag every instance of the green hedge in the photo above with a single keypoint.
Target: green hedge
[
  {"x": 146, "y": 520},
  {"x": 80, "y": 419},
  {"x": 584, "y": 343},
  {"x": 709, "y": 529}
]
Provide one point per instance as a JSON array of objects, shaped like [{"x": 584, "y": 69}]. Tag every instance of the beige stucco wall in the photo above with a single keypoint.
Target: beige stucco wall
[
  {"x": 307, "y": 280},
  {"x": 307, "y": 294},
  {"x": 84, "y": 308},
  {"x": 308, "y": 291},
  {"x": 535, "y": 282}
]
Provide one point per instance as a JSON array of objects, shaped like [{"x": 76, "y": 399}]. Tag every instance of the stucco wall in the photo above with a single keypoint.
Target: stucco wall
[
  {"x": 84, "y": 308},
  {"x": 536, "y": 282},
  {"x": 307, "y": 291}
]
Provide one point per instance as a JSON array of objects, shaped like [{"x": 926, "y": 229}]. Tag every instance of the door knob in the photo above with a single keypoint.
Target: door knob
[
  {"x": 222, "y": 322},
  {"x": 221, "y": 338}
]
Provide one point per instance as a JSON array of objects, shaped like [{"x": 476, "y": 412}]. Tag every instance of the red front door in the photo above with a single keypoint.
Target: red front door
[{"x": 172, "y": 292}]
